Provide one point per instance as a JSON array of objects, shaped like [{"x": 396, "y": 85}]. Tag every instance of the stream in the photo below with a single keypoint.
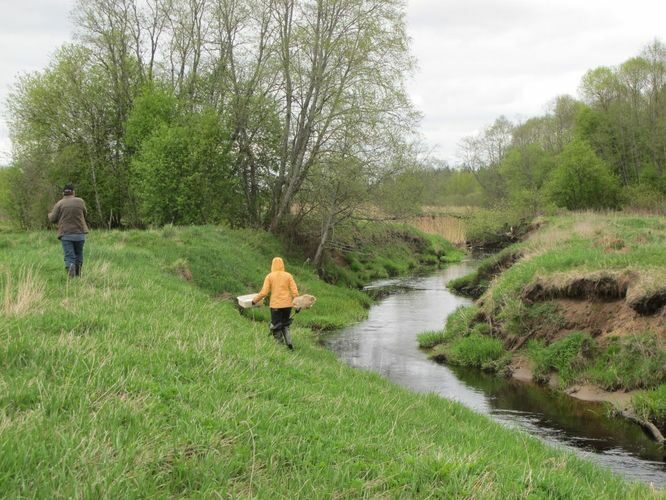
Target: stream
[{"x": 386, "y": 343}]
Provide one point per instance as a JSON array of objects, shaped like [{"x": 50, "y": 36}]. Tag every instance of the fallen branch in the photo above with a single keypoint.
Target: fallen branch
[{"x": 648, "y": 426}]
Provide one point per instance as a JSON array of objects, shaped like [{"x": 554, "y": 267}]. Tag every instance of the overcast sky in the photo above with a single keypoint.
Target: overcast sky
[{"x": 477, "y": 59}]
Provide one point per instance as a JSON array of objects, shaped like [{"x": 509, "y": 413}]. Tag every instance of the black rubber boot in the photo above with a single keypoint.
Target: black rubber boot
[
  {"x": 287, "y": 338},
  {"x": 71, "y": 271},
  {"x": 78, "y": 269}
]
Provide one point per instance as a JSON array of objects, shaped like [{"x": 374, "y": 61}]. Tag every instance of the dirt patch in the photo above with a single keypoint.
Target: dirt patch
[
  {"x": 648, "y": 296},
  {"x": 611, "y": 244},
  {"x": 586, "y": 392},
  {"x": 644, "y": 291},
  {"x": 599, "y": 285},
  {"x": 522, "y": 368},
  {"x": 603, "y": 319}
]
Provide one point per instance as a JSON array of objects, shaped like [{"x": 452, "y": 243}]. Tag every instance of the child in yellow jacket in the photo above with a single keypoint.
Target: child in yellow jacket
[{"x": 282, "y": 288}]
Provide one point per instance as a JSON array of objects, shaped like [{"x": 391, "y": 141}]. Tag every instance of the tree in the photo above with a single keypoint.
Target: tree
[
  {"x": 581, "y": 180},
  {"x": 184, "y": 177},
  {"x": 483, "y": 154},
  {"x": 339, "y": 60},
  {"x": 525, "y": 171}
]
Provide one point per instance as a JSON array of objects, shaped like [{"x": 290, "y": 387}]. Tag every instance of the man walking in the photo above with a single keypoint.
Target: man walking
[{"x": 70, "y": 216}]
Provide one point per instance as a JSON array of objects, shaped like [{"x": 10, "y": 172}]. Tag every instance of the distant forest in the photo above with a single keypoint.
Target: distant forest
[
  {"x": 292, "y": 115},
  {"x": 606, "y": 151}
]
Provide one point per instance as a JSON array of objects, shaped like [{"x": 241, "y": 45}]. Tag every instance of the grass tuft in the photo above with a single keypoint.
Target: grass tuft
[{"x": 22, "y": 292}]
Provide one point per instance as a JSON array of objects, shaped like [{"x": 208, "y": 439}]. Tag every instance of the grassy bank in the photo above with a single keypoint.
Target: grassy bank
[
  {"x": 142, "y": 380},
  {"x": 582, "y": 299},
  {"x": 369, "y": 251}
]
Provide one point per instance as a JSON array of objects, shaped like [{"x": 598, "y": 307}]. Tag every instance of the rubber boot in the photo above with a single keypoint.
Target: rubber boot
[
  {"x": 287, "y": 338},
  {"x": 71, "y": 271},
  {"x": 79, "y": 266}
]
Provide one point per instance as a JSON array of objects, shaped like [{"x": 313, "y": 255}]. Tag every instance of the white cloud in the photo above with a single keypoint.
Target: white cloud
[
  {"x": 30, "y": 32},
  {"x": 477, "y": 59}
]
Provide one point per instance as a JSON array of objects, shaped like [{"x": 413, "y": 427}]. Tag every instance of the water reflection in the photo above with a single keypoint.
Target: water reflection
[{"x": 386, "y": 343}]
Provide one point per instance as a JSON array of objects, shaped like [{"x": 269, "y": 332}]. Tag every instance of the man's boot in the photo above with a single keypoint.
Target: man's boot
[
  {"x": 71, "y": 271},
  {"x": 78, "y": 268}
]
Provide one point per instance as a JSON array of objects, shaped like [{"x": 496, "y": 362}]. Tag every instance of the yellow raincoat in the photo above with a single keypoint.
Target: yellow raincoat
[{"x": 281, "y": 286}]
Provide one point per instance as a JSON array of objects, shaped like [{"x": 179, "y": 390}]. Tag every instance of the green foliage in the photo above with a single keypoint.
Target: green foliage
[
  {"x": 526, "y": 170},
  {"x": 567, "y": 356},
  {"x": 633, "y": 362},
  {"x": 428, "y": 340},
  {"x": 6, "y": 198},
  {"x": 651, "y": 405},
  {"x": 460, "y": 323},
  {"x": 475, "y": 350},
  {"x": 400, "y": 195},
  {"x": 645, "y": 199},
  {"x": 153, "y": 109},
  {"x": 133, "y": 382},
  {"x": 183, "y": 176},
  {"x": 441, "y": 186},
  {"x": 375, "y": 250},
  {"x": 582, "y": 181},
  {"x": 496, "y": 228}
]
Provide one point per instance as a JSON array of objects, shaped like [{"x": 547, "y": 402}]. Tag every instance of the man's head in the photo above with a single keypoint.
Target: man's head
[{"x": 68, "y": 190}]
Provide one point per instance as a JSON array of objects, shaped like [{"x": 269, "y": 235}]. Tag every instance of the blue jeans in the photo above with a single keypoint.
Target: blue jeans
[{"x": 73, "y": 250}]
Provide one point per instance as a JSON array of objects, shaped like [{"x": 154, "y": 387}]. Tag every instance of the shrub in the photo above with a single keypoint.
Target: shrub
[
  {"x": 582, "y": 180},
  {"x": 495, "y": 228}
]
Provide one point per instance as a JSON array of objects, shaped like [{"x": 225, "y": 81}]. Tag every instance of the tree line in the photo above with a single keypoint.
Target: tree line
[
  {"x": 606, "y": 150},
  {"x": 262, "y": 113}
]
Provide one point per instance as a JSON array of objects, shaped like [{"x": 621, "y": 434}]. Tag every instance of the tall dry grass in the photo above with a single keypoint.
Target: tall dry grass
[
  {"x": 449, "y": 228},
  {"x": 21, "y": 293}
]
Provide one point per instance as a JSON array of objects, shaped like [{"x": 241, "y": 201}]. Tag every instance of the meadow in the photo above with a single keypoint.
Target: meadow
[{"x": 141, "y": 379}]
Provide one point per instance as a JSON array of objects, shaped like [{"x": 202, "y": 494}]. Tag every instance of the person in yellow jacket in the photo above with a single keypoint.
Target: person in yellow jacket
[{"x": 282, "y": 288}]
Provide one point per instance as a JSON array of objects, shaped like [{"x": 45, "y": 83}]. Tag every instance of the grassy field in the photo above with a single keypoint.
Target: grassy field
[
  {"x": 582, "y": 298},
  {"x": 141, "y": 379}
]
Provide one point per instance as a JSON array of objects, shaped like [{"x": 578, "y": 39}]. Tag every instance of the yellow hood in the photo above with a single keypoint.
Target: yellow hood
[{"x": 277, "y": 264}]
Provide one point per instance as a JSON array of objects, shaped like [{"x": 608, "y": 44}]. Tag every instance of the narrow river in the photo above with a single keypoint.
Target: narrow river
[{"x": 386, "y": 343}]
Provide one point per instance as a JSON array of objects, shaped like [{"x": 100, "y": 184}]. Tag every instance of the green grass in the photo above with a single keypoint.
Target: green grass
[
  {"x": 476, "y": 283},
  {"x": 134, "y": 382},
  {"x": 633, "y": 362},
  {"x": 567, "y": 356},
  {"x": 592, "y": 247},
  {"x": 427, "y": 340},
  {"x": 375, "y": 251},
  {"x": 475, "y": 350},
  {"x": 651, "y": 405}
]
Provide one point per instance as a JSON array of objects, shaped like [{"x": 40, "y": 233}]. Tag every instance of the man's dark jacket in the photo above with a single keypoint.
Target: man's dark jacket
[{"x": 70, "y": 215}]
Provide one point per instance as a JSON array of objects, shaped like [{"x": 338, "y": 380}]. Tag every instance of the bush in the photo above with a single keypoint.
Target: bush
[
  {"x": 645, "y": 198},
  {"x": 567, "y": 357},
  {"x": 582, "y": 180}
]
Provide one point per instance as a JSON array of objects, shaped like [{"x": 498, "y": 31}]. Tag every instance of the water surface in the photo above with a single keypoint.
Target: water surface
[{"x": 386, "y": 343}]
